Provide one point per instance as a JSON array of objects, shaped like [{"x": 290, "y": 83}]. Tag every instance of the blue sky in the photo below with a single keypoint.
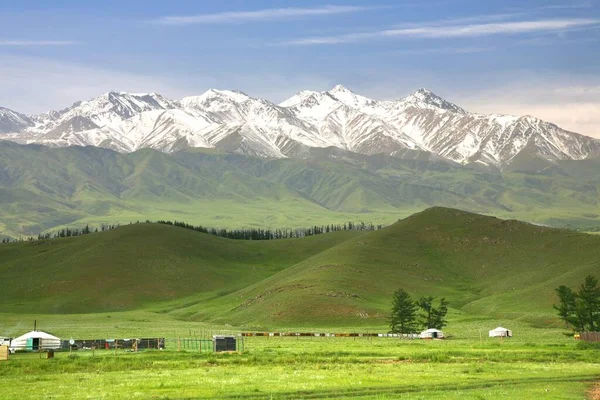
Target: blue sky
[{"x": 518, "y": 57}]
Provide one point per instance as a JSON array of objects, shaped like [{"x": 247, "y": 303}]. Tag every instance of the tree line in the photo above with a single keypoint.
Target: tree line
[
  {"x": 274, "y": 234},
  {"x": 408, "y": 316},
  {"x": 64, "y": 232},
  {"x": 238, "y": 234}
]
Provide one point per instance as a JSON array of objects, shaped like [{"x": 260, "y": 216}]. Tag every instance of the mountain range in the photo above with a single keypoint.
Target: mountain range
[
  {"x": 46, "y": 188},
  {"x": 235, "y": 122}
]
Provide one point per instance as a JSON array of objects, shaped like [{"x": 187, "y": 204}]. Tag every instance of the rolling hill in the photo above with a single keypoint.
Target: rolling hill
[
  {"x": 485, "y": 266},
  {"x": 140, "y": 264}
]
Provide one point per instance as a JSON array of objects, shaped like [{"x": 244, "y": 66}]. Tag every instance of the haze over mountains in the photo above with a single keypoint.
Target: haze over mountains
[{"x": 234, "y": 122}]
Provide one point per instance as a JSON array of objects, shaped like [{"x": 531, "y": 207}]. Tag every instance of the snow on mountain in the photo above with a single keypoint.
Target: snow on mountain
[
  {"x": 105, "y": 109},
  {"x": 11, "y": 121},
  {"x": 236, "y": 122},
  {"x": 255, "y": 125}
]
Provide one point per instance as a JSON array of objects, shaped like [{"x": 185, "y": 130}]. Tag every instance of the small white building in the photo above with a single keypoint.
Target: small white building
[
  {"x": 432, "y": 334},
  {"x": 35, "y": 340},
  {"x": 500, "y": 332}
]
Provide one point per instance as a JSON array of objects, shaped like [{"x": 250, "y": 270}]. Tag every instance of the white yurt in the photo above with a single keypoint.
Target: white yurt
[
  {"x": 35, "y": 340},
  {"x": 500, "y": 332},
  {"x": 432, "y": 334}
]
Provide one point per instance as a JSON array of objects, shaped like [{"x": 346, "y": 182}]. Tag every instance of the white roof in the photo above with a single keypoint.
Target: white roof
[
  {"x": 431, "y": 331},
  {"x": 36, "y": 334},
  {"x": 500, "y": 329}
]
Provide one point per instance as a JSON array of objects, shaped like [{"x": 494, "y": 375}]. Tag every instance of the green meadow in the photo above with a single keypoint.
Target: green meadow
[
  {"x": 317, "y": 368},
  {"x": 150, "y": 280}
]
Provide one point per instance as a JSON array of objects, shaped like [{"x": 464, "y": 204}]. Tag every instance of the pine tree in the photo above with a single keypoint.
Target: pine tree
[
  {"x": 589, "y": 294},
  {"x": 439, "y": 314},
  {"x": 426, "y": 315},
  {"x": 580, "y": 310},
  {"x": 569, "y": 308},
  {"x": 404, "y": 312},
  {"x": 432, "y": 317}
]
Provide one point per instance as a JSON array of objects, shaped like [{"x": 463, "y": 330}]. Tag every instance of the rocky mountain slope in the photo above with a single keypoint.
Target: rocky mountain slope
[{"x": 236, "y": 122}]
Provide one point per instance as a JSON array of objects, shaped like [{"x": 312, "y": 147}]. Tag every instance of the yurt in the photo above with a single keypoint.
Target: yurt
[
  {"x": 35, "y": 340},
  {"x": 500, "y": 332},
  {"x": 432, "y": 334}
]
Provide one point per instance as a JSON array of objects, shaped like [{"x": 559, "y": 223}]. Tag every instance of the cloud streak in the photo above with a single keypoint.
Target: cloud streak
[
  {"x": 269, "y": 14},
  {"x": 436, "y": 31},
  {"x": 41, "y": 43}
]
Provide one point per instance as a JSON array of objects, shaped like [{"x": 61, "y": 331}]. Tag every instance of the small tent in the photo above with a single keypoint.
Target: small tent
[
  {"x": 432, "y": 334},
  {"x": 35, "y": 340},
  {"x": 500, "y": 332}
]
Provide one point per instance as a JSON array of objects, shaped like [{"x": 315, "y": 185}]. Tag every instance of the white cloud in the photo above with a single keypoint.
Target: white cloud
[
  {"x": 437, "y": 31},
  {"x": 32, "y": 43},
  {"x": 258, "y": 15}
]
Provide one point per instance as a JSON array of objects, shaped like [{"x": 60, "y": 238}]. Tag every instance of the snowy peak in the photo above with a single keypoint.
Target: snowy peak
[
  {"x": 213, "y": 96},
  {"x": 11, "y": 121},
  {"x": 424, "y": 98},
  {"x": 350, "y": 98},
  {"x": 298, "y": 98},
  {"x": 234, "y": 121},
  {"x": 108, "y": 108}
]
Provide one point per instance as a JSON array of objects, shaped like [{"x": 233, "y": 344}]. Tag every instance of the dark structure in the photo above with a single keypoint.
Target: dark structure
[
  {"x": 590, "y": 336},
  {"x": 224, "y": 343}
]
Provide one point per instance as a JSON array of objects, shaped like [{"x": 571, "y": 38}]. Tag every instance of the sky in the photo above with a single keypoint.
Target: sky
[{"x": 520, "y": 57}]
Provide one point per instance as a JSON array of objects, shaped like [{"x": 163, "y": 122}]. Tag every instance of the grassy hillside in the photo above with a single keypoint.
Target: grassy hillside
[
  {"x": 43, "y": 189},
  {"x": 483, "y": 265},
  {"x": 139, "y": 265},
  {"x": 502, "y": 269}
]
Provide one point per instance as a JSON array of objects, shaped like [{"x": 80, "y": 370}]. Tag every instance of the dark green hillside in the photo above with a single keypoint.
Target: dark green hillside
[
  {"x": 483, "y": 265},
  {"x": 138, "y": 265}
]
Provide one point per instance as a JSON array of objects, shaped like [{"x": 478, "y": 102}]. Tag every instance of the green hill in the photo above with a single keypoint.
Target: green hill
[
  {"x": 485, "y": 266},
  {"x": 139, "y": 265}
]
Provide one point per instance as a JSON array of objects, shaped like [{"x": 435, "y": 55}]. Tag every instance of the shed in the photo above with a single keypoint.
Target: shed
[
  {"x": 35, "y": 340},
  {"x": 500, "y": 332},
  {"x": 224, "y": 343},
  {"x": 432, "y": 334}
]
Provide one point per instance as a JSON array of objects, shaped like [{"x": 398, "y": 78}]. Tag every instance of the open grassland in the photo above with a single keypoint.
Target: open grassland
[{"x": 316, "y": 368}]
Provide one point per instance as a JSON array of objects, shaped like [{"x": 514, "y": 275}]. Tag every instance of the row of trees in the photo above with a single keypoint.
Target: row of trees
[
  {"x": 580, "y": 309},
  {"x": 410, "y": 316},
  {"x": 274, "y": 234},
  {"x": 240, "y": 234},
  {"x": 65, "y": 232}
]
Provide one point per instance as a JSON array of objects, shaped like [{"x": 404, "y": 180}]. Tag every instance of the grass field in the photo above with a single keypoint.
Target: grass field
[{"x": 316, "y": 368}]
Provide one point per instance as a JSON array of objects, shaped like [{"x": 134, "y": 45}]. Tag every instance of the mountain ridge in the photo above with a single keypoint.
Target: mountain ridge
[
  {"x": 234, "y": 121},
  {"x": 44, "y": 188}
]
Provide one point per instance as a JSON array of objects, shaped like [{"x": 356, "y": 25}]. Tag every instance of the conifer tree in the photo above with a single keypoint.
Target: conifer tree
[{"x": 404, "y": 313}]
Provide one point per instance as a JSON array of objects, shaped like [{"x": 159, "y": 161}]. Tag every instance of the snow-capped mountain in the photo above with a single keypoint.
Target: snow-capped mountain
[
  {"x": 11, "y": 121},
  {"x": 236, "y": 122}
]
